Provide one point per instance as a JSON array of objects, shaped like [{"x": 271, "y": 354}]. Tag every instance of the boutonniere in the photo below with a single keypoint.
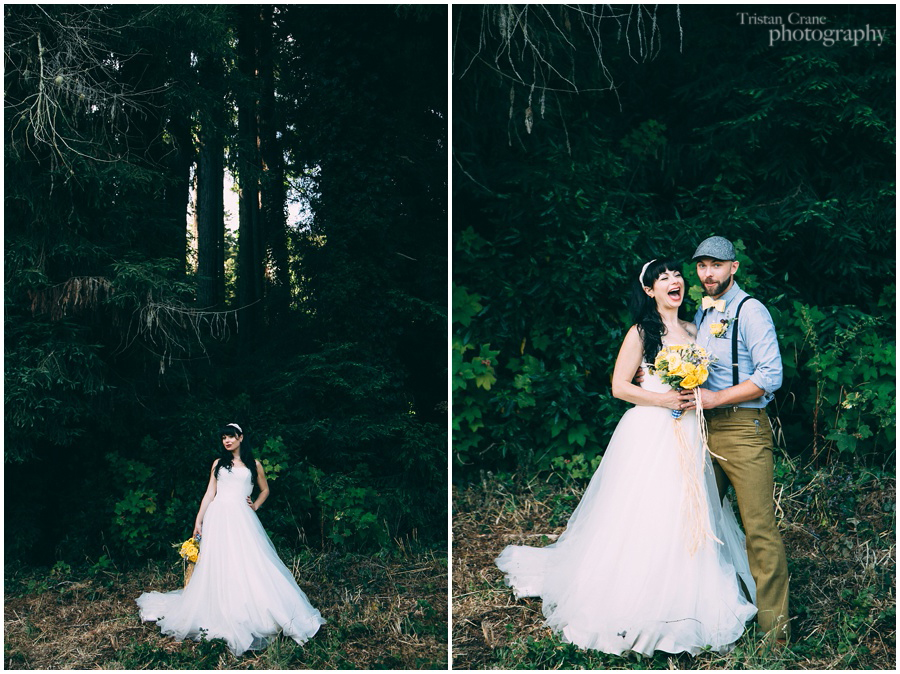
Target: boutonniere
[{"x": 720, "y": 327}]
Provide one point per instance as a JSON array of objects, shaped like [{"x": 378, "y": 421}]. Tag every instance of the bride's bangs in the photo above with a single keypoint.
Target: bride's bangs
[
  {"x": 655, "y": 270},
  {"x": 230, "y": 431}
]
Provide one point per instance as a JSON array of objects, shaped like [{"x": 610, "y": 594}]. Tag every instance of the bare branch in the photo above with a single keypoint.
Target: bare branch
[
  {"x": 66, "y": 78},
  {"x": 529, "y": 36},
  {"x": 536, "y": 49}
]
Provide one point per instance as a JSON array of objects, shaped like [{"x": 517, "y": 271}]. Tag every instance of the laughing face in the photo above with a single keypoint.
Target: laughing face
[{"x": 667, "y": 290}]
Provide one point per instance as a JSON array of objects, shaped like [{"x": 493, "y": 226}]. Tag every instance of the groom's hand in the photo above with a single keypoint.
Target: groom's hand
[
  {"x": 709, "y": 398},
  {"x": 638, "y": 376}
]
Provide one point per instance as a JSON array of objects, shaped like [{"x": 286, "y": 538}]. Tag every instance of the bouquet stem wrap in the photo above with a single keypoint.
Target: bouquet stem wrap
[
  {"x": 693, "y": 467},
  {"x": 686, "y": 367}
]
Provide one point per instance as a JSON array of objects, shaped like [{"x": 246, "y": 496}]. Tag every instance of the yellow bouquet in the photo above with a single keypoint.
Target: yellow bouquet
[
  {"x": 683, "y": 367},
  {"x": 189, "y": 551}
]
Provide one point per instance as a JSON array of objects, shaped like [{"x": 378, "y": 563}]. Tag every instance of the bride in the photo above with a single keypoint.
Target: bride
[
  {"x": 623, "y": 575},
  {"x": 240, "y": 590}
]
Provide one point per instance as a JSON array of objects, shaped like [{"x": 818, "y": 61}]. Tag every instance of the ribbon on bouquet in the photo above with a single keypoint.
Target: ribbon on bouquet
[{"x": 693, "y": 466}]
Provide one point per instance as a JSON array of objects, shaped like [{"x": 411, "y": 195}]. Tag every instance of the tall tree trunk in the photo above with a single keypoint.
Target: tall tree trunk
[
  {"x": 274, "y": 193},
  {"x": 210, "y": 187},
  {"x": 250, "y": 239},
  {"x": 177, "y": 195},
  {"x": 143, "y": 136},
  {"x": 179, "y": 191}
]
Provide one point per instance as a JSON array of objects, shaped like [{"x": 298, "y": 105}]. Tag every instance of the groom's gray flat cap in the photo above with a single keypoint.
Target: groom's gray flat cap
[{"x": 716, "y": 247}]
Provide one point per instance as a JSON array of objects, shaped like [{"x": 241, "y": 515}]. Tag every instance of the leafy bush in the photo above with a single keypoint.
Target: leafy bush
[
  {"x": 146, "y": 519},
  {"x": 840, "y": 365}
]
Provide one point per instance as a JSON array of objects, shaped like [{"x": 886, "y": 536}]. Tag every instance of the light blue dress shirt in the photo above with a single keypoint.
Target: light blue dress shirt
[{"x": 759, "y": 359}]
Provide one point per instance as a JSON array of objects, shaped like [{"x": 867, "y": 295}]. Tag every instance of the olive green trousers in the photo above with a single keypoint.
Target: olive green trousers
[{"x": 743, "y": 437}]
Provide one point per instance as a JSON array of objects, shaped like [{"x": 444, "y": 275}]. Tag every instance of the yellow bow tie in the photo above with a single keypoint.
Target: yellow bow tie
[{"x": 718, "y": 305}]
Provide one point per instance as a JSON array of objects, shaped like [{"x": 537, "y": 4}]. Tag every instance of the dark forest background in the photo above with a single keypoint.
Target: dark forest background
[
  {"x": 131, "y": 337},
  {"x": 590, "y": 139}
]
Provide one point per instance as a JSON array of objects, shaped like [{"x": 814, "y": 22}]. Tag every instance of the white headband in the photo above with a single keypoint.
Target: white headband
[
  {"x": 643, "y": 270},
  {"x": 237, "y": 427}
]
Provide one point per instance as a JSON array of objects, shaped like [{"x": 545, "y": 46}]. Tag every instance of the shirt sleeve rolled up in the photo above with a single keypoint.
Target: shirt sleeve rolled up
[{"x": 758, "y": 334}]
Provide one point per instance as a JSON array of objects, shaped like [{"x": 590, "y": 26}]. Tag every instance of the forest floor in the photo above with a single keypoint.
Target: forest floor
[
  {"x": 838, "y": 528},
  {"x": 382, "y": 613}
]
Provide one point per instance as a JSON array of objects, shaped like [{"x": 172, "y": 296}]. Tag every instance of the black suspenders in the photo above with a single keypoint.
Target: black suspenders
[
  {"x": 734, "y": 336},
  {"x": 734, "y": 340}
]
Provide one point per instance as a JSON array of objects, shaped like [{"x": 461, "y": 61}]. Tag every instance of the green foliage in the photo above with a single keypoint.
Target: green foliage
[
  {"x": 351, "y": 512},
  {"x": 140, "y": 655},
  {"x": 146, "y": 518},
  {"x": 346, "y": 509},
  {"x": 576, "y": 467},
  {"x": 473, "y": 375},
  {"x": 104, "y": 569},
  {"x": 139, "y": 281},
  {"x": 840, "y": 364},
  {"x": 61, "y": 570},
  {"x": 271, "y": 456},
  {"x": 51, "y": 378},
  {"x": 357, "y": 510}
]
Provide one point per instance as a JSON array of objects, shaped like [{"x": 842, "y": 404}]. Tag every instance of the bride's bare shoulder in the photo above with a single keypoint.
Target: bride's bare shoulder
[
  {"x": 689, "y": 327},
  {"x": 634, "y": 335}
]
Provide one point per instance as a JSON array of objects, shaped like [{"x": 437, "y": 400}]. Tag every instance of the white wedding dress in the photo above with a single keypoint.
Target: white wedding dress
[
  {"x": 240, "y": 590},
  {"x": 621, "y": 577}
]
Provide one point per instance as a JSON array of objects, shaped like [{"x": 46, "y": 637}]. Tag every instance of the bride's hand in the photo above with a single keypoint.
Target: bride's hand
[
  {"x": 196, "y": 533},
  {"x": 671, "y": 400},
  {"x": 250, "y": 503}
]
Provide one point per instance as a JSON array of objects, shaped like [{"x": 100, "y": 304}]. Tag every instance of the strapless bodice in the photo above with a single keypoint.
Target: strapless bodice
[{"x": 234, "y": 483}]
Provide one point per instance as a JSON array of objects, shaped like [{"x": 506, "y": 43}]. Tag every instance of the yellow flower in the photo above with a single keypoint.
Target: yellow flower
[
  {"x": 702, "y": 373},
  {"x": 191, "y": 553},
  {"x": 660, "y": 359},
  {"x": 189, "y": 550},
  {"x": 675, "y": 362},
  {"x": 718, "y": 329},
  {"x": 684, "y": 369},
  {"x": 690, "y": 382}
]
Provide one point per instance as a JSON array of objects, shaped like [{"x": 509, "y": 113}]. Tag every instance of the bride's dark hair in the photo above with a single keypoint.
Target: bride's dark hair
[
  {"x": 643, "y": 307},
  {"x": 226, "y": 460}
]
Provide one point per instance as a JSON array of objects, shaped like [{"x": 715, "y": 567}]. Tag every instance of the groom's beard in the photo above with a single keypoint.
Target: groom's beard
[{"x": 720, "y": 288}]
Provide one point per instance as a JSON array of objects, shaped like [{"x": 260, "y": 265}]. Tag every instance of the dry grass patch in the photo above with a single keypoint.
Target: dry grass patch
[{"x": 381, "y": 613}]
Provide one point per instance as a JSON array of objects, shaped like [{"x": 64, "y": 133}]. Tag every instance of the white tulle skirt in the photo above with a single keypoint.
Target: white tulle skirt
[
  {"x": 621, "y": 577},
  {"x": 240, "y": 590}
]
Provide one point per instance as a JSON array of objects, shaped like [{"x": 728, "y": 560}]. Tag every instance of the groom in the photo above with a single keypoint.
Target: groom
[{"x": 739, "y": 331}]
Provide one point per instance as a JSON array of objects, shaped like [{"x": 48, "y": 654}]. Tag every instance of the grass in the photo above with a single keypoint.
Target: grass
[
  {"x": 382, "y": 613},
  {"x": 838, "y": 528}
]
